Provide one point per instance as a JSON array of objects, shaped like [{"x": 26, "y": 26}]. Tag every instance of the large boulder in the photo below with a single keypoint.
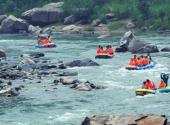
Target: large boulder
[
  {"x": 13, "y": 25},
  {"x": 69, "y": 20},
  {"x": 51, "y": 13},
  {"x": 125, "y": 119},
  {"x": 130, "y": 43},
  {"x": 2, "y": 53},
  {"x": 79, "y": 63},
  {"x": 2, "y": 17},
  {"x": 147, "y": 49}
]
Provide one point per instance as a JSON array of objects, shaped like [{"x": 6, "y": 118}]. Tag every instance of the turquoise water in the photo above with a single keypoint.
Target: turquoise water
[{"x": 65, "y": 106}]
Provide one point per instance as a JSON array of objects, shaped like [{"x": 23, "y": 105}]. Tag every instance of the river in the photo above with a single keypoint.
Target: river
[{"x": 65, "y": 106}]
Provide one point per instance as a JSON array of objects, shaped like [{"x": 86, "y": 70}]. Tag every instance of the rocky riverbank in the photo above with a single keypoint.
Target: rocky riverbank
[
  {"x": 32, "y": 67},
  {"x": 51, "y": 19}
]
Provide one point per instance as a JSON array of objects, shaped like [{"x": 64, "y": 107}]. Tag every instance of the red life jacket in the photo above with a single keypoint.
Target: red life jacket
[
  {"x": 162, "y": 85},
  {"x": 100, "y": 51}
]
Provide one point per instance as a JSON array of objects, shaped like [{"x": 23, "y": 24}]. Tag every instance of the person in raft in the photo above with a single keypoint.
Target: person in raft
[
  {"x": 149, "y": 85},
  {"x": 139, "y": 61},
  {"x": 100, "y": 50},
  {"x": 44, "y": 40},
  {"x": 163, "y": 83},
  {"x": 109, "y": 50}
]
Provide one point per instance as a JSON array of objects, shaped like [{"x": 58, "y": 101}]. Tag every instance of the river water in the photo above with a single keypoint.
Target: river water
[{"x": 65, "y": 106}]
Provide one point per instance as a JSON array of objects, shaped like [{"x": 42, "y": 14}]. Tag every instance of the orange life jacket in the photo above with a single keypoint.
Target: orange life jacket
[
  {"x": 141, "y": 62},
  {"x": 131, "y": 63},
  {"x": 162, "y": 85},
  {"x": 145, "y": 61},
  {"x": 135, "y": 62}
]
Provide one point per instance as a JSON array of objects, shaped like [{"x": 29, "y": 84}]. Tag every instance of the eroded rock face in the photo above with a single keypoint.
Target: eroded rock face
[
  {"x": 79, "y": 63},
  {"x": 125, "y": 119},
  {"x": 13, "y": 25},
  {"x": 50, "y": 13},
  {"x": 130, "y": 43}
]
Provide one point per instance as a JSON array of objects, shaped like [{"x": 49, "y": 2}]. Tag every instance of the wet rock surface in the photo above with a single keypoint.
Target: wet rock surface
[
  {"x": 125, "y": 119},
  {"x": 166, "y": 49},
  {"x": 79, "y": 63}
]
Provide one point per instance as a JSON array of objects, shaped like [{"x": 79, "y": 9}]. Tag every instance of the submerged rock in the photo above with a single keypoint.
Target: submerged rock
[
  {"x": 68, "y": 73},
  {"x": 166, "y": 49},
  {"x": 79, "y": 63},
  {"x": 125, "y": 119},
  {"x": 37, "y": 54}
]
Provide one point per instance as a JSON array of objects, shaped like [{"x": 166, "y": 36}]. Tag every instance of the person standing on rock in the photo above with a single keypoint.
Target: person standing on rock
[{"x": 165, "y": 78}]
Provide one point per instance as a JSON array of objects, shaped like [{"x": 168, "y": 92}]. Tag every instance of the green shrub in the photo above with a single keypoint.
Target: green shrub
[
  {"x": 89, "y": 28},
  {"x": 115, "y": 25}
]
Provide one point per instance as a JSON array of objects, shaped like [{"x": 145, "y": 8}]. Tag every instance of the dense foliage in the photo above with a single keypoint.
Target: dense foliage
[{"x": 151, "y": 13}]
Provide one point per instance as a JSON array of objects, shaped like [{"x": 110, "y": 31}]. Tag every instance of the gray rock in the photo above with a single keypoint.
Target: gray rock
[
  {"x": 80, "y": 63},
  {"x": 68, "y": 74},
  {"x": 96, "y": 22},
  {"x": 37, "y": 54},
  {"x": 166, "y": 49},
  {"x": 34, "y": 29},
  {"x": 13, "y": 25},
  {"x": 69, "y": 20},
  {"x": 110, "y": 15},
  {"x": 62, "y": 66},
  {"x": 83, "y": 87},
  {"x": 2, "y": 53},
  {"x": 147, "y": 49},
  {"x": 51, "y": 13},
  {"x": 67, "y": 81},
  {"x": 125, "y": 119},
  {"x": 2, "y": 17},
  {"x": 130, "y": 25},
  {"x": 132, "y": 44}
]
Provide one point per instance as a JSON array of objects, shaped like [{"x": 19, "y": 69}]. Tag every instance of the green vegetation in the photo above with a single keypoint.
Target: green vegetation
[
  {"x": 115, "y": 25},
  {"x": 153, "y": 14},
  {"x": 89, "y": 28}
]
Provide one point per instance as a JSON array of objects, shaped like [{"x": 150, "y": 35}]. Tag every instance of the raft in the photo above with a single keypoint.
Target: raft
[
  {"x": 46, "y": 46},
  {"x": 103, "y": 56},
  {"x": 142, "y": 92},
  {"x": 149, "y": 66}
]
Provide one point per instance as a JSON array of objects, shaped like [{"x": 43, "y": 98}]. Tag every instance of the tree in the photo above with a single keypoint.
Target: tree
[{"x": 144, "y": 8}]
